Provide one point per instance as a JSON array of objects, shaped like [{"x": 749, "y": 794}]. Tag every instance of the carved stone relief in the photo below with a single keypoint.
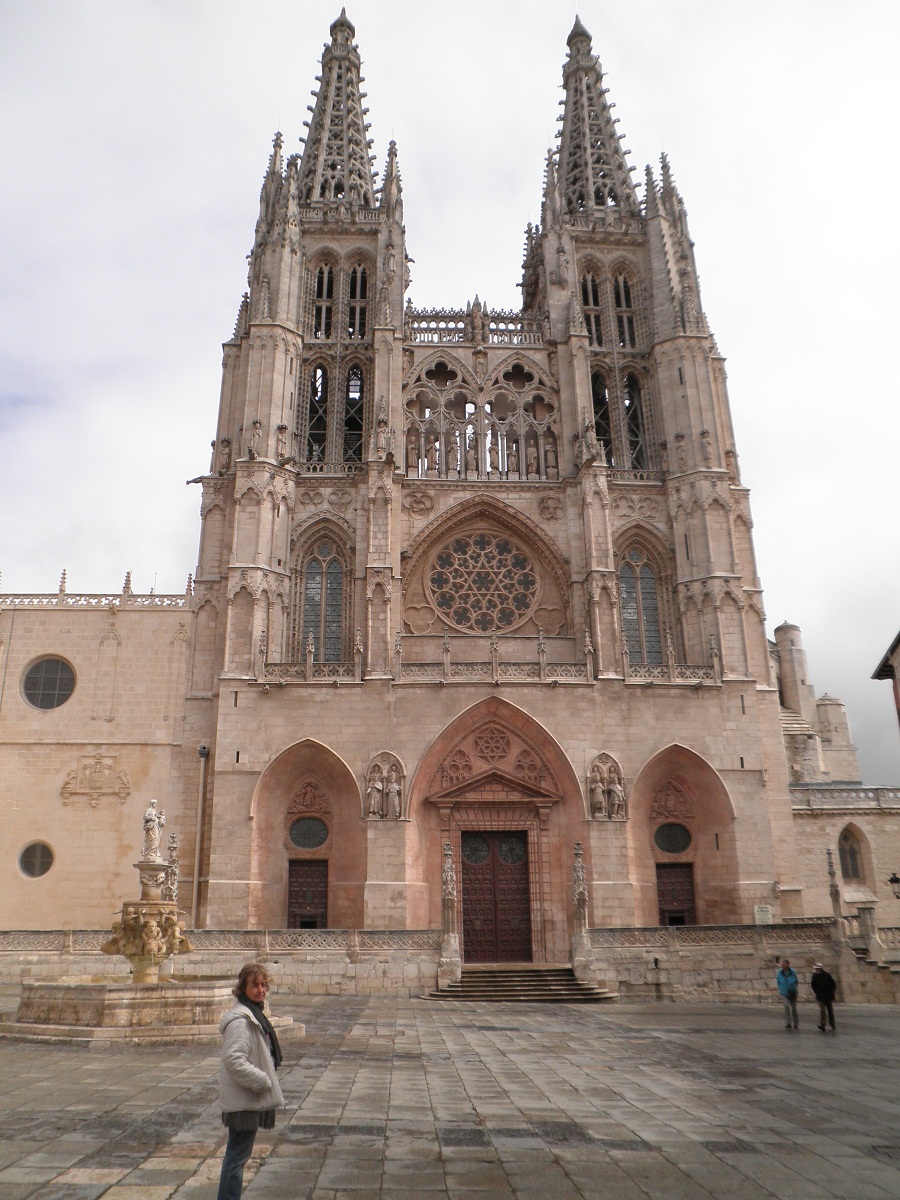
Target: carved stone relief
[
  {"x": 385, "y": 790},
  {"x": 309, "y": 799},
  {"x": 96, "y": 777},
  {"x": 606, "y": 789},
  {"x": 672, "y": 802}
]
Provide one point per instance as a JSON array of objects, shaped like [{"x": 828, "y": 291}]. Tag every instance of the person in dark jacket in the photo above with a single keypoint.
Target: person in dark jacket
[
  {"x": 248, "y": 1090},
  {"x": 824, "y": 987}
]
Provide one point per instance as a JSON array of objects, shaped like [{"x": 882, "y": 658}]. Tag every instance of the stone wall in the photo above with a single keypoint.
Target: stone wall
[{"x": 697, "y": 964}]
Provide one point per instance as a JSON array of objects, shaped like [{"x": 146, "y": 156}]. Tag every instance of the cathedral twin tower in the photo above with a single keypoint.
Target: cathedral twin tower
[{"x": 480, "y": 578}]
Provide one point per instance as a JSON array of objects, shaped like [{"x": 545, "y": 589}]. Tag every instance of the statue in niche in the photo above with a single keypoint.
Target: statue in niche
[
  {"x": 531, "y": 459},
  {"x": 431, "y": 452},
  {"x": 616, "y": 795},
  {"x": 471, "y": 454},
  {"x": 597, "y": 783},
  {"x": 412, "y": 454},
  {"x": 153, "y": 825},
  {"x": 494, "y": 456},
  {"x": 452, "y": 454},
  {"x": 393, "y": 793},
  {"x": 225, "y": 461},
  {"x": 512, "y": 460},
  {"x": 375, "y": 792},
  {"x": 381, "y": 433},
  {"x": 281, "y": 442},
  {"x": 550, "y": 457},
  {"x": 255, "y": 440}
]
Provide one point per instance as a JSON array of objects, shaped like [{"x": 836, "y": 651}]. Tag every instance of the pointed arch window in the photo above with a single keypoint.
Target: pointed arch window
[
  {"x": 317, "y": 421},
  {"x": 353, "y": 416},
  {"x": 590, "y": 303},
  {"x": 850, "y": 854},
  {"x": 634, "y": 423},
  {"x": 324, "y": 302},
  {"x": 602, "y": 426},
  {"x": 319, "y": 603},
  {"x": 624, "y": 312},
  {"x": 639, "y": 603},
  {"x": 357, "y": 303}
]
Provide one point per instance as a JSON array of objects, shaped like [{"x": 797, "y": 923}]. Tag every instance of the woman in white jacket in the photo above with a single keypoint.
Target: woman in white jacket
[{"x": 248, "y": 1089}]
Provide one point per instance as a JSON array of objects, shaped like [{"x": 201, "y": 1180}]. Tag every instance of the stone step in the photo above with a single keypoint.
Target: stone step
[{"x": 553, "y": 985}]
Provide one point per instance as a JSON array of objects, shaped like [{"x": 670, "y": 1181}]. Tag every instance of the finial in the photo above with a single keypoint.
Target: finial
[
  {"x": 189, "y": 588},
  {"x": 126, "y": 586},
  {"x": 62, "y": 582},
  {"x": 578, "y": 31}
]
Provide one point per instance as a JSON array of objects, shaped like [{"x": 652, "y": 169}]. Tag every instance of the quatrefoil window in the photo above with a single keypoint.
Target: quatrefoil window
[
  {"x": 441, "y": 375},
  {"x": 483, "y": 583}
]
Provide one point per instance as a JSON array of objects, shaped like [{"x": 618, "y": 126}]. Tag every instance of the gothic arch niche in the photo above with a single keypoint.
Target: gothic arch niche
[
  {"x": 677, "y": 787},
  {"x": 495, "y": 770},
  {"x": 645, "y": 595},
  {"x": 855, "y": 864},
  {"x": 483, "y": 569},
  {"x": 306, "y": 780}
]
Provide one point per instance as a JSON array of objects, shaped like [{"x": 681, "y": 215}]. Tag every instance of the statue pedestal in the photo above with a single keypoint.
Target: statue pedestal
[{"x": 450, "y": 962}]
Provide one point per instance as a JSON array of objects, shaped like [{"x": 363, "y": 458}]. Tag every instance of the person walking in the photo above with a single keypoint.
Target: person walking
[
  {"x": 248, "y": 1089},
  {"x": 788, "y": 983},
  {"x": 824, "y": 987}
]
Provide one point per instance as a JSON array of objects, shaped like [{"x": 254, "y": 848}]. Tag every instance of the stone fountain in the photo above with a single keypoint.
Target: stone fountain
[{"x": 145, "y": 1008}]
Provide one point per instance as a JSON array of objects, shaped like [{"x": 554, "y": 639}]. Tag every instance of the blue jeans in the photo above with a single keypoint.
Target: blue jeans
[{"x": 238, "y": 1150}]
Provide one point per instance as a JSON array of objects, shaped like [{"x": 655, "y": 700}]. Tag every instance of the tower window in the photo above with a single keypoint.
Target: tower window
[
  {"x": 624, "y": 312},
  {"x": 590, "y": 303},
  {"x": 317, "y": 428},
  {"x": 321, "y": 602},
  {"x": 640, "y": 609},
  {"x": 353, "y": 416},
  {"x": 324, "y": 302},
  {"x": 634, "y": 423},
  {"x": 850, "y": 854},
  {"x": 358, "y": 297},
  {"x": 602, "y": 427}
]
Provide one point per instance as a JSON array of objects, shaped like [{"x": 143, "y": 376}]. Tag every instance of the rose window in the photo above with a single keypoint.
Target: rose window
[{"x": 483, "y": 583}]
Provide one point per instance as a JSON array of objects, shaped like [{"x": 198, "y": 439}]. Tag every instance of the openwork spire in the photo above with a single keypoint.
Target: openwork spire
[
  {"x": 593, "y": 175},
  {"x": 336, "y": 163}
]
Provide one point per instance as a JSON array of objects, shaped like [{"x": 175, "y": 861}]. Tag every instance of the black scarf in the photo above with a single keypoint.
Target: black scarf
[{"x": 268, "y": 1030}]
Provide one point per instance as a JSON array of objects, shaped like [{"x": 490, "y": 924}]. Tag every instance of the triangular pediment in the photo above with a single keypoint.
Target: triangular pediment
[{"x": 494, "y": 787}]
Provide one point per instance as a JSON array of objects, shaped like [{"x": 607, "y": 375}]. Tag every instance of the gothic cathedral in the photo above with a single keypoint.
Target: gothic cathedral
[{"x": 467, "y": 578}]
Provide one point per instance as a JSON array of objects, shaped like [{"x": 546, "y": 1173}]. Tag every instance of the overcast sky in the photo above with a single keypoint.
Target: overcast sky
[{"x": 134, "y": 137}]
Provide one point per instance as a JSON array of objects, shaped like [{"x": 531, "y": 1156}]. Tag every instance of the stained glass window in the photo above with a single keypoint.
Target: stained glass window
[
  {"x": 639, "y": 608},
  {"x": 482, "y": 583},
  {"x": 49, "y": 683},
  {"x": 322, "y": 602}
]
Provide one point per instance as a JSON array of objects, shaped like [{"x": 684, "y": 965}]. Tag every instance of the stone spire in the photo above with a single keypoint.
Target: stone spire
[
  {"x": 336, "y": 163},
  {"x": 391, "y": 188},
  {"x": 593, "y": 175},
  {"x": 270, "y": 193}
]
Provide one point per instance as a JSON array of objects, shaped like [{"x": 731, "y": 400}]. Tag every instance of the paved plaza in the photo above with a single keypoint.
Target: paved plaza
[{"x": 425, "y": 1101}]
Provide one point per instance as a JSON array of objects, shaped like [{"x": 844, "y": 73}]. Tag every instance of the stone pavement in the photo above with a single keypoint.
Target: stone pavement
[{"x": 414, "y": 1100}]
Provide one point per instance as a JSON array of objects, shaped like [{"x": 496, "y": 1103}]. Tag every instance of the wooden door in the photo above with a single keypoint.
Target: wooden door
[
  {"x": 675, "y": 890},
  {"x": 308, "y": 894},
  {"x": 495, "y": 897}
]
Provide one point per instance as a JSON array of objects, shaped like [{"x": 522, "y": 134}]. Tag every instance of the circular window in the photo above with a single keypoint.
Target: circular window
[
  {"x": 308, "y": 833},
  {"x": 48, "y": 683},
  {"x": 36, "y": 860},
  {"x": 482, "y": 583},
  {"x": 512, "y": 849},
  {"x": 475, "y": 849},
  {"x": 672, "y": 838}
]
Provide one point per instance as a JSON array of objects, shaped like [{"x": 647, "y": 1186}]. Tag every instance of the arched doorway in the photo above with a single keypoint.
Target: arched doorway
[
  {"x": 685, "y": 863},
  {"x": 308, "y": 846},
  {"x": 498, "y": 788}
]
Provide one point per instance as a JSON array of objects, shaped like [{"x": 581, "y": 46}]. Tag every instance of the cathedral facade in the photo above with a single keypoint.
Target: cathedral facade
[{"x": 469, "y": 578}]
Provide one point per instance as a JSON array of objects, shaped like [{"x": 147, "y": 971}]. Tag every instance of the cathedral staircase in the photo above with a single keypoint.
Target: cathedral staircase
[{"x": 523, "y": 983}]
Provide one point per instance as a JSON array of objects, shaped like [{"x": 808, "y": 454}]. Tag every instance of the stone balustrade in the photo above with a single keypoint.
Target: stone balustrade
[{"x": 817, "y": 796}]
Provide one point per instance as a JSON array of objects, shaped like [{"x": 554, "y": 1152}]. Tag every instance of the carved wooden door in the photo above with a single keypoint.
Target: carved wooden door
[
  {"x": 675, "y": 890},
  {"x": 308, "y": 894},
  {"x": 495, "y": 897}
]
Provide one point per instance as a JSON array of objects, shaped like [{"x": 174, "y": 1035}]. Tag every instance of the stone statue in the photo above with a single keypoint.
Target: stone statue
[
  {"x": 212, "y": 460},
  {"x": 531, "y": 459},
  {"x": 616, "y": 800},
  {"x": 579, "y": 890},
  {"x": 153, "y": 826},
  {"x": 598, "y": 790},
  {"x": 393, "y": 794},
  {"x": 381, "y": 433},
  {"x": 374, "y": 793},
  {"x": 225, "y": 461},
  {"x": 494, "y": 456},
  {"x": 453, "y": 454},
  {"x": 471, "y": 456},
  {"x": 512, "y": 459},
  {"x": 281, "y": 442},
  {"x": 255, "y": 439},
  {"x": 550, "y": 457},
  {"x": 412, "y": 454},
  {"x": 448, "y": 891},
  {"x": 431, "y": 454}
]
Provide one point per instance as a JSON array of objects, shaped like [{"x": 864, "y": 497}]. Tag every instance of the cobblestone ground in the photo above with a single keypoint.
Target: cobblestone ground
[{"x": 413, "y": 1100}]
